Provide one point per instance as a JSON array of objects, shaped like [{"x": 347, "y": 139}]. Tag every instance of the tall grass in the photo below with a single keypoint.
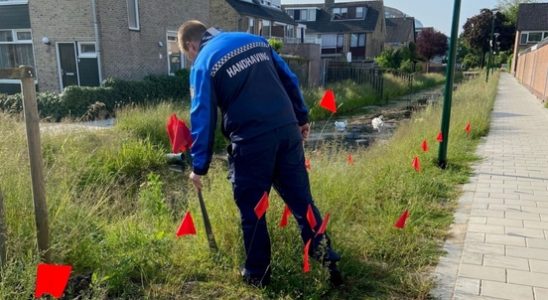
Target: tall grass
[
  {"x": 351, "y": 97},
  {"x": 122, "y": 230}
]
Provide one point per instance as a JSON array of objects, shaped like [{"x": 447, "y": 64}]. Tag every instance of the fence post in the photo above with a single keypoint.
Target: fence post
[
  {"x": 30, "y": 108},
  {"x": 3, "y": 233}
]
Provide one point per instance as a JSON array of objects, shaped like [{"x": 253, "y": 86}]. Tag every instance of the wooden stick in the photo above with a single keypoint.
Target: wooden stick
[
  {"x": 3, "y": 233},
  {"x": 30, "y": 108}
]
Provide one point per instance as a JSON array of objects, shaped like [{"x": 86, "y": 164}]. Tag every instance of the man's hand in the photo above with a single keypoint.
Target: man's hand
[
  {"x": 305, "y": 130},
  {"x": 196, "y": 180}
]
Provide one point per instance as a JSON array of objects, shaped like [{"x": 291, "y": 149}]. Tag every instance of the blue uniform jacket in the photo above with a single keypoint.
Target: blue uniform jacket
[{"x": 250, "y": 83}]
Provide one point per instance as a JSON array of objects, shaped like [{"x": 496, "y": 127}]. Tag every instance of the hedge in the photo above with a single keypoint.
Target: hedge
[{"x": 76, "y": 102}]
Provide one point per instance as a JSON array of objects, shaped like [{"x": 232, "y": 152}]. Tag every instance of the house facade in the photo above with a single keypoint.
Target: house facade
[
  {"x": 351, "y": 30},
  {"x": 260, "y": 17},
  {"x": 82, "y": 42},
  {"x": 531, "y": 29}
]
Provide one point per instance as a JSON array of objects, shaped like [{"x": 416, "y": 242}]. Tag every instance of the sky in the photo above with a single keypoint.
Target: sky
[{"x": 432, "y": 13}]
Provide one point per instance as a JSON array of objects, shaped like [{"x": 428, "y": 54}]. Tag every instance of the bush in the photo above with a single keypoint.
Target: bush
[{"x": 75, "y": 101}]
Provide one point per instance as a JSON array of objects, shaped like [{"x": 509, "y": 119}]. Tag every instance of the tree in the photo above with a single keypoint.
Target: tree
[
  {"x": 402, "y": 59},
  {"x": 510, "y": 8},
  {"x": 477, "y": 32},
  {"x": 431, "y": 43}
]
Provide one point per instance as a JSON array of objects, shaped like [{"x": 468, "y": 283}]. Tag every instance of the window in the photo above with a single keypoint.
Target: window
[
  {"x": 534, "y": 37},
  {"x": 16, "y": 49},
  {"x": 12, "y": 2},
  {"x": 251, "y": 26},
  {"x": 86, "y": 50},
  {"x": 523, "y": 39},
  {"x": 133, "y": 14},
  {"x": 357, "y": 40},
  {"x": 266, "y": 29},
  {"x": 174, "y": 55},
  {"x": 304, "y": 15},
  {"x": 340, "y": 13},
  {"x": 290, "y": 31},
  {"x": 360, "y": 13}
]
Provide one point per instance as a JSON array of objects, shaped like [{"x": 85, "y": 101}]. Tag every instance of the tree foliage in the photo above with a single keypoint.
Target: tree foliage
[
  {"x": 431, "y": 43},
  {"x": 477, "y": 31},
  {"x": 402, "y": 59}
]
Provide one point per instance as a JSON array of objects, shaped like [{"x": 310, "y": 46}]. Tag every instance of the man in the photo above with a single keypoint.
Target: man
[{"x": 266, "y": 120}]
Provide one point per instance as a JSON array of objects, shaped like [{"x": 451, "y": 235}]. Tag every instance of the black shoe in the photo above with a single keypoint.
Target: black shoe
[
  {"x": 253, "y": 280},
  {"x": 335, "y": 276}
]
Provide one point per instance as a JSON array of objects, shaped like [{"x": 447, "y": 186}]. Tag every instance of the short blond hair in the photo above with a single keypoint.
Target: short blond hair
[{"x": 190, "y": 31}]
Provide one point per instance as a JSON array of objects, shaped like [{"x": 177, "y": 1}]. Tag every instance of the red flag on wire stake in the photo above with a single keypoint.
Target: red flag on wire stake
[
  {"x": 400, "y": 223},
  {"x": 307, "y": 164},
  {"x": 439, "y": 138},
  {"x": 416, "y": 164},
  {"x": 51, "y": 279},
  {"x": 310, "y": 217},
  {"x": 328, "y": 101},
  {"x": 285, "y": 215},
  {"x": 187, "y": 226},
  {"x": 349, "y": 159},
  {"x": 323, "y": 227},
  {"x": 468, "y": 128},
  {"x": 262, "y": 206},
  {"x": 179, "y": 135},
  {"x": 306, "y": 261},
  {"x": 424, "y": 146}
]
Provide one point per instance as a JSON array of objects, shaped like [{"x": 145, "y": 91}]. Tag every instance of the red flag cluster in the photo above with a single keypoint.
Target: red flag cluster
[
  {"x": 51, "y": 279},
  {"x": 187, "y": 226},
  {"x": 328, "y": 101},
  {"x": 416, "y": 164},
  {"x": 311, "y": 218},
  {"x": 307, "y": 164},
  {"x": 179, "y": 134}
]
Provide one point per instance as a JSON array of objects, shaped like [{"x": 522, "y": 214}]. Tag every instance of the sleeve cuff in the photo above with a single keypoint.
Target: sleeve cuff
[{"x": 303, "y": 120}]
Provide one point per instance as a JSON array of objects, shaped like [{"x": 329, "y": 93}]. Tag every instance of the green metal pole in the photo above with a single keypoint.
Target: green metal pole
[
  {"x": 450, "y": 78},
  {"x": 490, "y": 46}
]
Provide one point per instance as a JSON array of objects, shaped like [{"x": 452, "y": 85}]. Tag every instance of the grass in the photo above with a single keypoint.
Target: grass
[
  {"x": 351, "y": 96},
  {"x": 120, "y": 226}
]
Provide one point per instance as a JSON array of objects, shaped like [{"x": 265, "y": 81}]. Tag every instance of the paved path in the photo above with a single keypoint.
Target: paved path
[{"x": 498, "y": 247}]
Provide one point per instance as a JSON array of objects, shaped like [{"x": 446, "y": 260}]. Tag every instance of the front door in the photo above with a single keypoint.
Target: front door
[{"x": 67, "y": 64}]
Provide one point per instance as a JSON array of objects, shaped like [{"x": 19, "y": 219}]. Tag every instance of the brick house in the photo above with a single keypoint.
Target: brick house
[
  {"x": 531, "y": 28},
  {"x": 351, "y": 27},
  {"x": 265, "y": 18},
  {"x": 82, "y": 42}
]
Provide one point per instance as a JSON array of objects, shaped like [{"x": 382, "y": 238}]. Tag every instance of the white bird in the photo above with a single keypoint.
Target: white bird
[
  {"x": 341, "y": 126},
  {"x": 377, "y": 123}
]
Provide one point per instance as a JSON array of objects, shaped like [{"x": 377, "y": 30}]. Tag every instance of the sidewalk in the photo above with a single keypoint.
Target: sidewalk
[{"x": 498, "y": 246}]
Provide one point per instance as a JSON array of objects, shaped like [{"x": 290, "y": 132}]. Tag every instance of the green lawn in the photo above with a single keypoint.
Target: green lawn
[{"x": 114, "y": 210}]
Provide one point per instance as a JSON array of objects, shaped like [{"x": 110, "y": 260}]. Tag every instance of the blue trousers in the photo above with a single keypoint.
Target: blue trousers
[{"x": 273, "y": 159}]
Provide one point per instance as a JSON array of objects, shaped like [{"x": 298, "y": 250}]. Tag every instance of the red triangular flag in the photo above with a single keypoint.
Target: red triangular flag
[
  {"x": 262, "y": 206},
  {"x": 349, "y": 159},
  {"x": 307, "y": 164},
  {"x": 311, "y": 218},
  {"x": 179, "y": 134},
  {"x": 416, "y": 164},
  {"x": 468, "y": 128},
  {"x": 439, "y": 138},
  {"x": 51, "y": 279},
  {"x": 187, "y": 226},
  {"x": 400, "y": 223},
  {"x": 323, "y": 227},
  {"x": 328, "y": 101},
  {"x": 424, "y": 146},
  {"x": 306, "y": 262},
  {"x": 285, "y": 215}
]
